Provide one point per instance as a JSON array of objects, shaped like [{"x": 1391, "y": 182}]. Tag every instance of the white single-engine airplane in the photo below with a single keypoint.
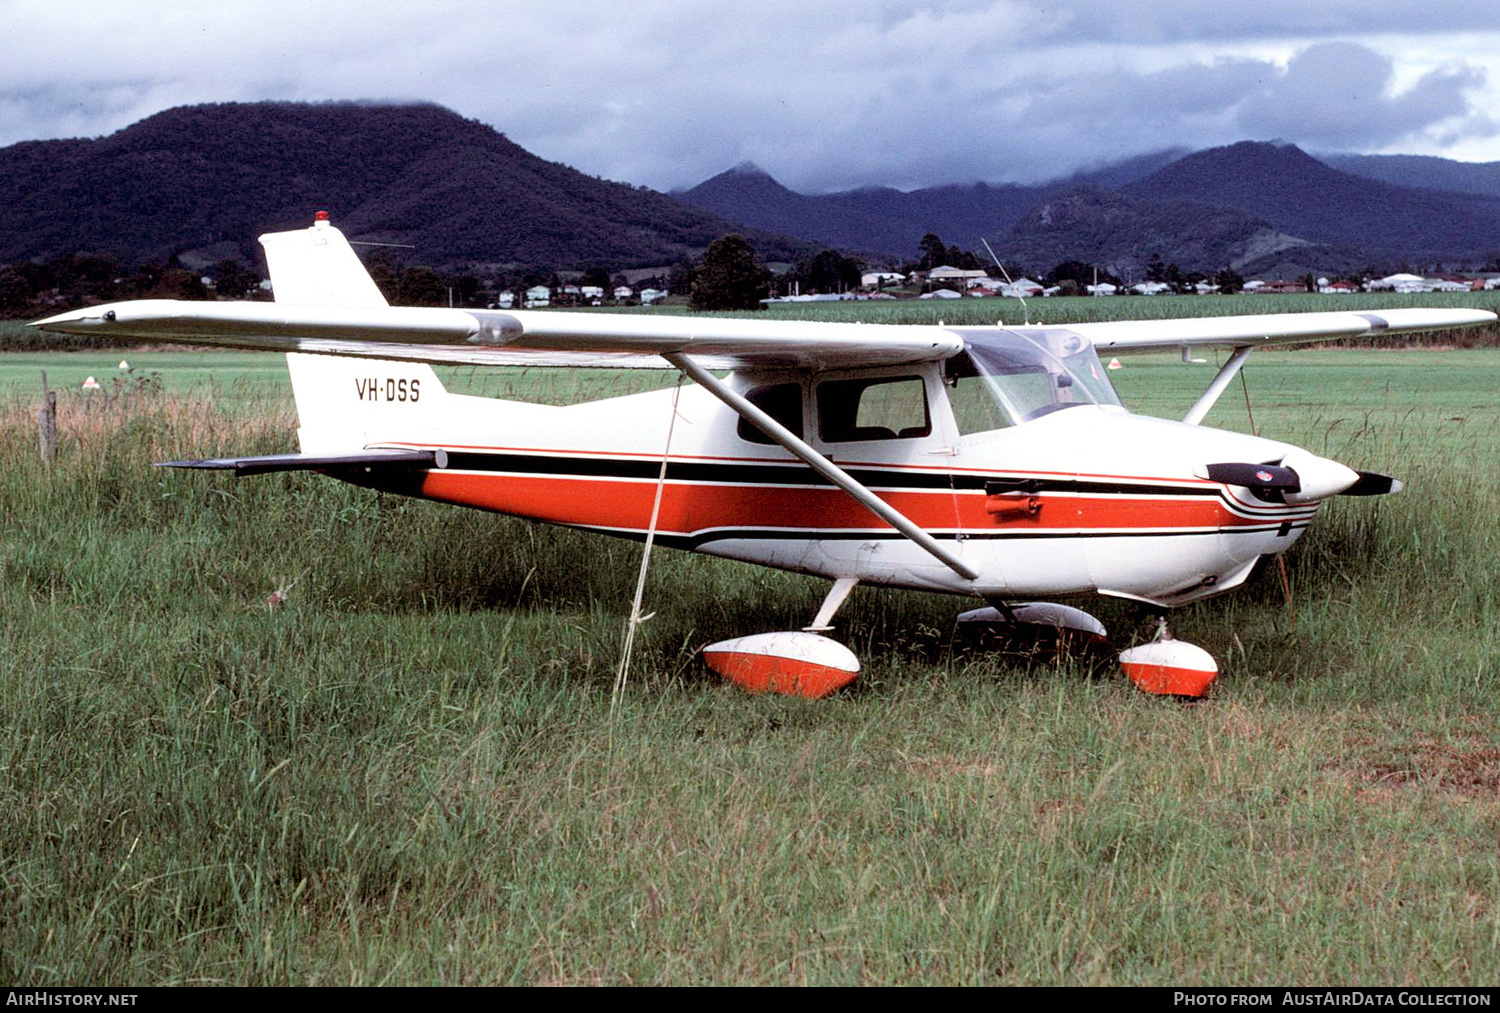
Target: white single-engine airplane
[{"x": 992, "y": 462}]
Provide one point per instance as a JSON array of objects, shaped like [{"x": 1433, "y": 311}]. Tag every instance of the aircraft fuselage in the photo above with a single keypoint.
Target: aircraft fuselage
[{"x": 1089, "y": 500}]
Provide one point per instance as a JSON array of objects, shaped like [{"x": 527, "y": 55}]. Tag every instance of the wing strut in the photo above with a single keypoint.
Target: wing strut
[
  {"x": 822, "y": 465},
  {"x": 1211, "y": 396}
]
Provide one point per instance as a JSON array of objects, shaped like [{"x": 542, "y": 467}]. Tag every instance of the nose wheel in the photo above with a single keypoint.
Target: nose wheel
[{"x": 1170, "y": 667}]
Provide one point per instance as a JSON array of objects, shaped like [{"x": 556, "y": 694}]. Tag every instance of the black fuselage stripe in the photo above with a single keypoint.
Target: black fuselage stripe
[{"x": 699, "y": 539}]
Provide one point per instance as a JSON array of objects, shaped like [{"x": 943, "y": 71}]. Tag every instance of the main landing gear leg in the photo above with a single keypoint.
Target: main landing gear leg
[{"x": 831, "y": 604}]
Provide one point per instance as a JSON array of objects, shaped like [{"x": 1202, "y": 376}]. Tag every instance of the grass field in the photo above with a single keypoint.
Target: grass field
[{"x": 410, "y": 773}]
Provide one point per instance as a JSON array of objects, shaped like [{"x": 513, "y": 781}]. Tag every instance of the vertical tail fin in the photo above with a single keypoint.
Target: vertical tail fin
[
  {"x": 318, "y": 267},
  {"x": 345, "y": 404}
]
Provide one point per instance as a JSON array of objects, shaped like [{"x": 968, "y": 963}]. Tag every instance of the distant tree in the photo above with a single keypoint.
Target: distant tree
[
  {"x": 1080, "y": 273},
  {"x": 1229, "y": 281},
  {"x": 382, "y": 268},
  {"x": 933, "y": 254},
  {"x": 188, "y": 285},
  {"x": 84, "y": 279},
  {"x": 531, "y": 277},
  {"x": 831, "y": 271},
  {"x": 15, "y": 294},
  {"x": 962, "y": 259},
  {"x": 467, "y": 290},
  {"x": 730, "y": 278},
  {"x": 37, "y": 277},
  {"x": 231, "y": 280},
  {"x": 146, "y": 278},
  {"x": 421, "y": 286},
  {"x": 681, "y": 277},
  {"x": 21, "y": 284},
  {"x": 1155, "y": 269},
  {"x": 597, "y": 276}
]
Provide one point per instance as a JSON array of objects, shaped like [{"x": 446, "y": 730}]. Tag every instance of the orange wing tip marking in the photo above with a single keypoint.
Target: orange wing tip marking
[
  {"x": 792, "y": 664},
  {"x": 1170, "y": 668}
]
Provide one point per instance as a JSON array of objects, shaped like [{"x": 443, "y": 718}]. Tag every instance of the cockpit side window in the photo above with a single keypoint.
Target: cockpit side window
[
  {"x": 781, "y": 401},
  {"x": 878, "y": 408},
  {"x": 1024, "y": 374},
  {"x": 975, "y": 408}
]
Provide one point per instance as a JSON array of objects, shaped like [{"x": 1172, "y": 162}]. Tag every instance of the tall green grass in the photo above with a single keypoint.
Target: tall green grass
[{"x": 407, "y": 772}]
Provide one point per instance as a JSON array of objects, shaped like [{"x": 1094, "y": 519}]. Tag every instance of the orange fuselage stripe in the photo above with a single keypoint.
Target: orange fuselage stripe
[{"x": 689, "y": 507}]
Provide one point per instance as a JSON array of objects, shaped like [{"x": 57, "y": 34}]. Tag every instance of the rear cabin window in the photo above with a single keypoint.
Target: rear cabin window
[
  {"x": 885, "y": 408},
  {"x": 781, "y": 401}
]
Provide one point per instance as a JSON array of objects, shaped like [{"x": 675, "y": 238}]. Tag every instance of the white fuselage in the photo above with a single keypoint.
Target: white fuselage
[{"x": 1089, "y": 500}]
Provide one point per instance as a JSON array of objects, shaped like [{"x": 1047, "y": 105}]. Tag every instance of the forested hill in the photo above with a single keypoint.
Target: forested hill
[
  {"x": 1427, "y": 172},
  {"x": 1253, "y": 206},
  {"x": 871, "y": 218},
  {"x": 203, "y": 181},
  {"x": 1100, "y": 226},
  {"x": 1302, "y": 196}
]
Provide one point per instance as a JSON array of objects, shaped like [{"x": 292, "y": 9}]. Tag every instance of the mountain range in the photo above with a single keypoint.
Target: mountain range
[
  {"x": 1256, "y": 207},
  {"x": 200, "y": 182}
]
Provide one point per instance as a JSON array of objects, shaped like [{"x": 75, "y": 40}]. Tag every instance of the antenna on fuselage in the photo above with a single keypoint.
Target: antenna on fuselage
[{"x": 1025, "y": 310}]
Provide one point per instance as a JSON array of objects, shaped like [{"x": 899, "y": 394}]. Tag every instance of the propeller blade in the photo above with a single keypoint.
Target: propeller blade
[
  {"x": 1373, "y": 483},
  {"x": 1255, "y": 477}
]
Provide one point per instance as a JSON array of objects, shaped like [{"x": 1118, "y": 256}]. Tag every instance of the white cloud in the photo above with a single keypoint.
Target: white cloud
[{"x": 1338, "y": 95}]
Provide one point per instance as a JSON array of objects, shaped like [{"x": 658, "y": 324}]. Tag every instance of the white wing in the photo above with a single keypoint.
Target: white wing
[
  {"x": 1271, "y": 328},
  {"x": 500, "y": 337},
  {"x": 327, "y": 304}
]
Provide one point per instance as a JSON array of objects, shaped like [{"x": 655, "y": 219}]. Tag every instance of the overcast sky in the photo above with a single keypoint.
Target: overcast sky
[{"x": 823, "y": 95}]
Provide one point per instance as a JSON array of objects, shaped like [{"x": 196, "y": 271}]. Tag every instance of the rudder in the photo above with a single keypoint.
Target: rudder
[{"x": 345, "y": 403}]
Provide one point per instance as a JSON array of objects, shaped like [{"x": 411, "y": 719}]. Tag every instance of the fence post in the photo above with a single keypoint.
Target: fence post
[{"x": 46, "y": 422}]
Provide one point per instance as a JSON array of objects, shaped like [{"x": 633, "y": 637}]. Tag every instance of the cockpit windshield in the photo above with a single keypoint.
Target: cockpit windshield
[{"x": 1006, "y": 377}]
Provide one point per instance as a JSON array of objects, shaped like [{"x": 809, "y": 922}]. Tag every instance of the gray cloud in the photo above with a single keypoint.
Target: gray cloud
[
  {"x": 1162, "y": 22},
  {"x": 825, "y": 95}
]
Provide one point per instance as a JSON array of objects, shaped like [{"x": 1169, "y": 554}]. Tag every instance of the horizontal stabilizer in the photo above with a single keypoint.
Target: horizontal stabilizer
[{"x": 367, "y": 460}]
